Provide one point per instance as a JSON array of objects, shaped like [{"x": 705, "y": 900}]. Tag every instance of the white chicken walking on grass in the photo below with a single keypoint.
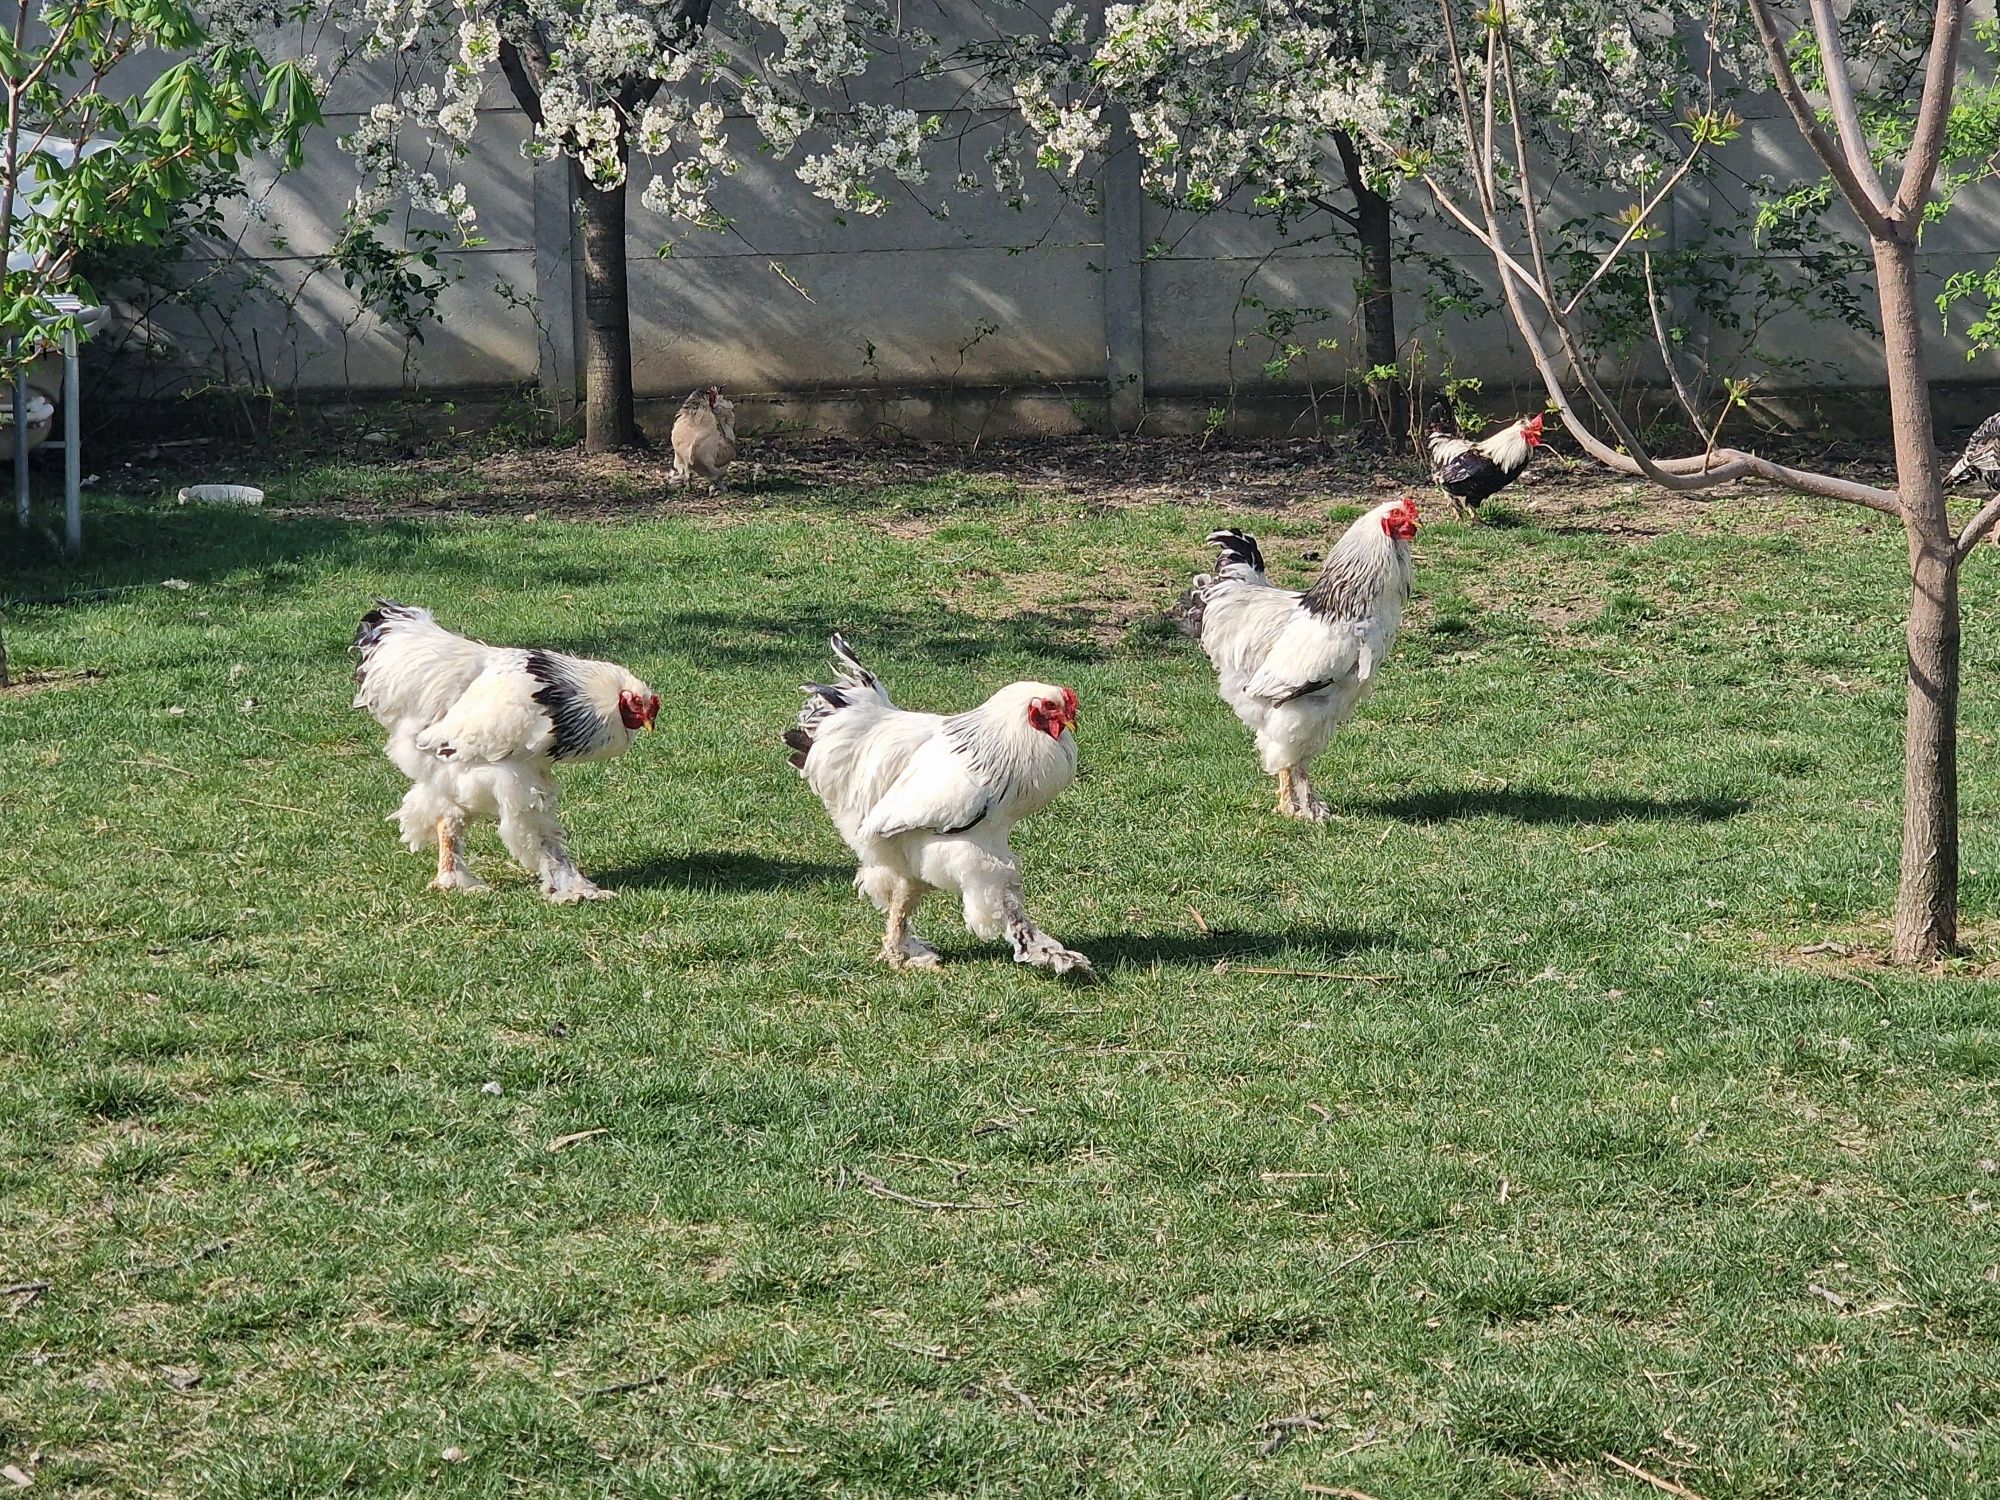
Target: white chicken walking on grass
[
  {"x": 1295, "y": 665},
  {"x": 926, "y": 801},
  {"x": 478, "y": 730}
]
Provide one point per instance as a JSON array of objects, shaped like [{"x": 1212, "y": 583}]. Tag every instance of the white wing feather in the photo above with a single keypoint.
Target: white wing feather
[
  {"x": 937, "y": 792},
  {"x": 1311, "y": 655},
  {"x": 496, "y": 718}
]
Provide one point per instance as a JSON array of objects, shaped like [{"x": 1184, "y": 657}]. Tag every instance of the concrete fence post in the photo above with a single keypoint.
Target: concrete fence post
[
  {"x": 1122, "y": 207},
  {"x": 557, "y": 273}
]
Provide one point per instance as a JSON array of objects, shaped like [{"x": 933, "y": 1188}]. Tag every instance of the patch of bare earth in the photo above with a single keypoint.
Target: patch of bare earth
[
  {"x": 1560, "y": 493},
  {"x": 27, "y": 684}
]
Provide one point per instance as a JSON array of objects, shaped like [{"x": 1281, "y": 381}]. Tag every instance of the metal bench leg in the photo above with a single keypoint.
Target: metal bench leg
[
  {"x": 20, "y": 433},
  {"x": 72, "y": 450}
]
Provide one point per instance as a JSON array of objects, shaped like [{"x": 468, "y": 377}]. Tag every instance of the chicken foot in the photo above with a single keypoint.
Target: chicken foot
[
  {"x": 1034, "y": 946},
  {"x": 563, "y": 883},
  {"x": 901, "y": 948},
  {"x": 454, "y": 874},
  {"x": 1297, "y": 799}
]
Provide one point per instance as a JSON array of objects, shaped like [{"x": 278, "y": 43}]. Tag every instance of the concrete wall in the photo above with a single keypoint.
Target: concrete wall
[{"x": 989, "y": 320}]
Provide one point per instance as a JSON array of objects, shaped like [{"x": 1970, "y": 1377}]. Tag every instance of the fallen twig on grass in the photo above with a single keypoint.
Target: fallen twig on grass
[
  {"x": 1334, "y": 1489},
  {"x": 1281, "y": 1430},
  {"x": 564, "y": 1142},
  {"x": 882, "y": 1189},
  {"x": 1004, "y": 1384},
  {"x": 626, "y": 1387},
  {"x": 1665, "y": 1486},
  {"x": 28, "y": 1289},
  {"x": 1224, "y": 966},
  {"x": 1364, "y": 1252},
  {"x": 935, "y": 1351},
  {"x": 214, "y": 1247}
]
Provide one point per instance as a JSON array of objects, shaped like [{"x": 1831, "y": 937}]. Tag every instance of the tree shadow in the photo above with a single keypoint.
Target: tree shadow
[
  {"x": 1302, "y": 948},
  {"x": 722, "y": 870},
  {"x": 1536, "y": 805}
]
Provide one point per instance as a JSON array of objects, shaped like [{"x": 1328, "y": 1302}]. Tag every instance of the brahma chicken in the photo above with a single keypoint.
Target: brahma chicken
[
  {"x": 1469, "y": 472},
  {"x": 1981, "y": 456},
  {"x": 704, "y": 439},
  {"x": 1295, "y": 665},
  {"x": 926, "y": 801},
  {"x": 478, "y": 730}
]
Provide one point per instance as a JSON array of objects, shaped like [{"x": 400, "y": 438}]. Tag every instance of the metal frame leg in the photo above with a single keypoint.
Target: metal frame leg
[
  {"x": 72, "y": 449},
  {"x": 20, "y": 432}
]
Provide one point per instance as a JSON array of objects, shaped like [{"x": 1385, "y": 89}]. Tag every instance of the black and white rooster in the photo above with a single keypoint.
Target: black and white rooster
[
  {"x": 1469, "y": 472},
  {"x": 1295, "y": 665},
  {"x": 1981, "y": 456}
]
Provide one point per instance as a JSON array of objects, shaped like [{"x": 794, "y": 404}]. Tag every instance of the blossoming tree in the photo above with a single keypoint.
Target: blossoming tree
[
  {"x": 1883, "y": 166},
  {"x": 619, "y": 86},
  {"x": 1333, "y": 107}
]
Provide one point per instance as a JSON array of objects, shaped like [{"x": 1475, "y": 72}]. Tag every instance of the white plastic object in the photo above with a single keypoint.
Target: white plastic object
[{"x": 222, "y": 494}]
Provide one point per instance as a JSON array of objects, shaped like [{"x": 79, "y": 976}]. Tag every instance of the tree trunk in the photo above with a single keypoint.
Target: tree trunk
[
  {"x": 1375, "y": 291},
  {"x": 1927, "y": 894},
  {"x": 5, "y": 680},
  {"x": 607, "y": 324}
]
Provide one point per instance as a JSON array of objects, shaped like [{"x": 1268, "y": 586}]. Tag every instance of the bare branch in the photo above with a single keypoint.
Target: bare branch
[
  {"x": 1719, "y": 467},
  {"x": 1878, "y": 224},
  {"x": 1681, "y": 392},
  {"x": 1976, "y": 529},
  {"x": 1927, "y": 142},
  {"x": 1645, "y": 212},
  {"x": 1840, "y": 95}
]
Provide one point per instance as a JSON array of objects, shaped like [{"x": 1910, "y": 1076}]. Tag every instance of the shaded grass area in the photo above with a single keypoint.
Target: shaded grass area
[{"x": 1500, "y": 1123}]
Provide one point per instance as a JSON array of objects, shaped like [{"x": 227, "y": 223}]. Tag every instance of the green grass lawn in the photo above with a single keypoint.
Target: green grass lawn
[{"x": 1498, "y": 1126}]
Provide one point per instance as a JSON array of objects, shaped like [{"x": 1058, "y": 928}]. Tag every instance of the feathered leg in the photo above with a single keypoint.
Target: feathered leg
[
  {"x": 1036, "y": 947},
  {"x": 536, "y": 840},
  {"x": 901, "y": 948},
  {"x": 990, "y": 888},
  {"x": 1306, "y": 805},
  {"x": 896, "y": 896},
  {"x": 454, "y": 874}
]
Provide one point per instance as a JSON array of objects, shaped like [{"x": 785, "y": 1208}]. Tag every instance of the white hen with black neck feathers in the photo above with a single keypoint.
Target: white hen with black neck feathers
[{"x": 1294, "y": 666}]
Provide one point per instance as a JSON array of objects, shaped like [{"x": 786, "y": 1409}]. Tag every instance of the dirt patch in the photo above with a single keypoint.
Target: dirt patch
[
  {"x": 1560, "y": 493},
  {"x": 27, "y": 684}
]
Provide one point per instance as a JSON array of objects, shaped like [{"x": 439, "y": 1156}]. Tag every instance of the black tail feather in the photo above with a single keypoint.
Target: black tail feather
[
  {"x": 1237, "y": 547},
  {"x": 800, "y": 742}
]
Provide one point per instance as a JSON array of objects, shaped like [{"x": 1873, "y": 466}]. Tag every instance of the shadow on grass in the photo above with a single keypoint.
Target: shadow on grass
[
  {"x": 132, "y": 547},
  {"x": 722, "y": 870},
  {"x": 1533, "y": 805},
  {"x": 1303, "y": 948}
]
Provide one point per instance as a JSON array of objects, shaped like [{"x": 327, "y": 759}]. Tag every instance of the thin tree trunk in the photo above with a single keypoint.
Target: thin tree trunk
[
  {"x": 5, "y": 680},
  {"x": 607, "y": 324},
  {"x": 1927, "y": 894},
  {"x": 1375, "y": 292}
]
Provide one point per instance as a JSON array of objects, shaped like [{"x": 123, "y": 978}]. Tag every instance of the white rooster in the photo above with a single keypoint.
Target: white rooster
[
  {"x": 926, "y": 801},
  {"x": 1295, "y": 665},
  {"x": 478, "y": 729}
]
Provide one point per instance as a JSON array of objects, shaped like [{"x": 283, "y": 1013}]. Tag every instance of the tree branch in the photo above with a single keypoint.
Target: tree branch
[
  {"x": 527, "y": 69},
  {"x": 1720, "y": 467},
  {"x": 1877, "y": 223},
  {"x": 1840, "y": 95},
  {"x": 1976, "y": 529},
  {"x": 1645, "y": 212},
  {"x": 1927, "y": 142},
  {"x": 1681, "y": 392}
]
